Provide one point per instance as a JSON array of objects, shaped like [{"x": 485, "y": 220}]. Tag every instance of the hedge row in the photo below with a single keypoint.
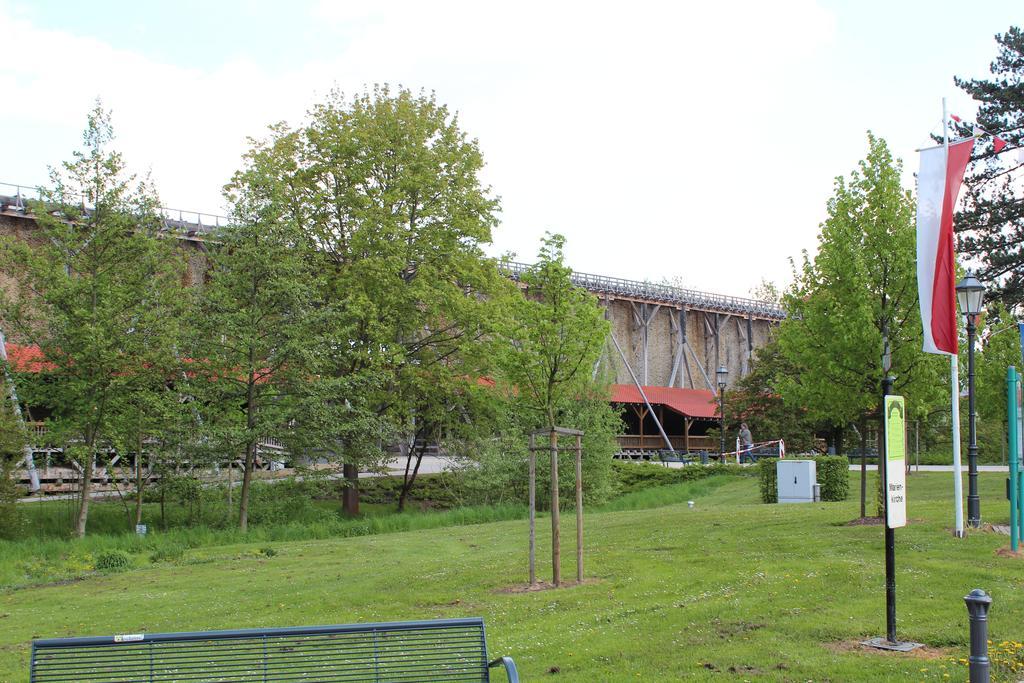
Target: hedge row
[
  {"x": 628, "y": 477},
  {"x": 833, "y": 473}
]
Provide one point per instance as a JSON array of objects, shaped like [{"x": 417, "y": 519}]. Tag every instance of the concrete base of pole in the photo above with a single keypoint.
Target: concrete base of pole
[{"x": 883, "y": 644}]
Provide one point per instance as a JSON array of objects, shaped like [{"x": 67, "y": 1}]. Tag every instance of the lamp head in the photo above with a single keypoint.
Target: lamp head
[{"x": 970, "y": 295}]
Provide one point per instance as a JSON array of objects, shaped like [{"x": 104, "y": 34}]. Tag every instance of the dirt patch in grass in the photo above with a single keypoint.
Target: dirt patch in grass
[
  {"x": 545, "y": 586},
  {"x": 1006, "y": 552},
  {"x": 856, "y": 646},
  {"x": 735, "y": 628},
  {"x": 865, "y": 521}
]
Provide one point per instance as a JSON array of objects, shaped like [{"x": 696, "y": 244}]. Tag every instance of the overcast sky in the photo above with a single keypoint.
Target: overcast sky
[{"x": 691, "y": 141}]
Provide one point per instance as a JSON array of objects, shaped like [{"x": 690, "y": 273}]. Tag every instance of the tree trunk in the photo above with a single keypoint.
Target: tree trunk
[
  {"x": 243, "y": 497},
  {"x": 86, "y": 491},
  {"x": 250, "y": 448},
  {"x": 533, "y": 512},
  {"x": 879, "y": 492},
  {"x": 838, "y": 437},
  {"x": 350, "y": 496},
  {"x": 138, "y": 494},
  {"x": 139, "y": 481},
  {"x": 409, "y": 479},
  {"x": 579, "y": 510},
  {"x": 863, "y": 465},
  {"x": 556, "y": 543}
]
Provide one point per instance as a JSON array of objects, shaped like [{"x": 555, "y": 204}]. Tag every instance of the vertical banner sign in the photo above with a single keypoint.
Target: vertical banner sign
[{"x": 895, "y": 462}]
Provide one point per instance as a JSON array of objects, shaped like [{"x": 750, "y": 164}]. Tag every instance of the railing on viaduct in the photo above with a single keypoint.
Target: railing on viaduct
[
  {"x": 15, "y": 197},
  {"x": 603, "y": 284}
]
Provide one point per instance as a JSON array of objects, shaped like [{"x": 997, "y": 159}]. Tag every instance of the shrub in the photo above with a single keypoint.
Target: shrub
[
  {"x": 12, "y": 520},
  {"x": 832, "y": 472},
  {"x": 172, "y": 552},
  {"x": 769, "y": 480},
  {"x": 113, "y": 561},
  {"x": 12, "y": 441},
  {"x": 268, "y": 551},
  {"x": 833, "y": 476},
  {"x": 630, "y": 477}
]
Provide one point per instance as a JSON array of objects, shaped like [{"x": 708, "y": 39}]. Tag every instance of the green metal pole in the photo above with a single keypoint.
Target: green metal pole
[{"x": 1011, "y": 410}]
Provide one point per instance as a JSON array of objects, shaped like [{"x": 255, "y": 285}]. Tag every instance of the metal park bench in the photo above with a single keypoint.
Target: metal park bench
[
  {"x": 436, "y": 650},
  {"x": 675, "y": 456},
  {"x": 855, "y": 455}
]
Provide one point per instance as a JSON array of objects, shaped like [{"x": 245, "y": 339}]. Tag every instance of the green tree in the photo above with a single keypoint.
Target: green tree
[
  {"x": 442, "y": 403},
  {"x": 12, "y": 445},
  {"x": 155, "y": 428},
  {"x": 758, "y": 401},
  {"x": 1000, "y": 348},
  {"x": 386, "y": 186},
  {"x": 257, "y": 323},
  {"x": 97, "y": 294},
  {"x": 553, "y": 338},
  {"x": 555, "y": 334},
  {"x": 991, "y": 223},
  {"x": 853, "y": 311}
]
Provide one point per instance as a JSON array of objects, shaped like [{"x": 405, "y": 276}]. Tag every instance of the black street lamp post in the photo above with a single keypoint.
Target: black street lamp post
[
  {"x": 723, "y": 377},
  {"x": 970, "y": 294}
]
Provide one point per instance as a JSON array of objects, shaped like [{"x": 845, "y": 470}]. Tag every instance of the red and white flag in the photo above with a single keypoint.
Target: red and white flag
[{"x": 938, "y": 184}]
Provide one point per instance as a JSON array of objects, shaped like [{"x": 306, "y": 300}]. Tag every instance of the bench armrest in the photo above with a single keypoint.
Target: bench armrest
[{"x": 510, "y": 668}]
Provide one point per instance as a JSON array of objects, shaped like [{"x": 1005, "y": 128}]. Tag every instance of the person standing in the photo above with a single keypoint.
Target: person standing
[{"x": 746, "y": 441}]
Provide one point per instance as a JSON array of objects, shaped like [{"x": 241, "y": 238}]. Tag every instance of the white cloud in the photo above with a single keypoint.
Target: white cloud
[{"x": 662, "y": 138}]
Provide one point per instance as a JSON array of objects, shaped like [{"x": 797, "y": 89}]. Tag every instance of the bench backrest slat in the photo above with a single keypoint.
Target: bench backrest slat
[{"x": 440, "y": 650}]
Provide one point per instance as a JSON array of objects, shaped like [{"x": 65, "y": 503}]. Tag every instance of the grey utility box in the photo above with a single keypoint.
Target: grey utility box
[{"x": 796, "y": 480}]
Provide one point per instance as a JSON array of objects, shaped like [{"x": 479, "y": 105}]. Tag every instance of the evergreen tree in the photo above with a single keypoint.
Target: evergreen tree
[{"x": 991, "y": 223}]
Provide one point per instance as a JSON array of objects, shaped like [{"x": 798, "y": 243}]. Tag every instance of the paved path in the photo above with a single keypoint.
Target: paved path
[{"x": 942, "y": 468}]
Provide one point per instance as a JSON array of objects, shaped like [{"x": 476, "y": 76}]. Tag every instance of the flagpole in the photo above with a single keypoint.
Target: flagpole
[{"x": 954, "y": 384}]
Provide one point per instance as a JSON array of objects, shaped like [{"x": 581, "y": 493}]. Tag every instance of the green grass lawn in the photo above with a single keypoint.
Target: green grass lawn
[{"x": 729, "y": 590}]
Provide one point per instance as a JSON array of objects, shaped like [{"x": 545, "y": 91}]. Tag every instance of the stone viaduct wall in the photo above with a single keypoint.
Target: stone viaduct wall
[
  {"x": 666, "y": 336},
  {"x": 673, "y": 345},
  {"x": 674, "y": 337}
]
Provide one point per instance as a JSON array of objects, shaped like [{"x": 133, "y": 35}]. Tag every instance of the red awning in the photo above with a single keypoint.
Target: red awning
[{"x": 698, "y": 403}]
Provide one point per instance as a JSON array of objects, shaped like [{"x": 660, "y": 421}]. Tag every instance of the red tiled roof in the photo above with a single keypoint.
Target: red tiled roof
[
  {"x": 30, "y": 359},
  {"x": 26, "y": 358},
  {"x": 699, "y": 403}
]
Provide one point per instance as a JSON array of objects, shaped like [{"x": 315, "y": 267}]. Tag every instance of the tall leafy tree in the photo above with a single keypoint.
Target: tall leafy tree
[
  {"x": 991, "y": 224},
  {"x": 97, "y": 294},
  {"x": 386, "y": 186},
  {"x": 852, "y": 310},
  {"x": 254, "y": 369}
]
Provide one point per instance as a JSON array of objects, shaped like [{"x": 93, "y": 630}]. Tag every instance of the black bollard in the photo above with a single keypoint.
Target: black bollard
[{"x": 978, "y": 603}]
